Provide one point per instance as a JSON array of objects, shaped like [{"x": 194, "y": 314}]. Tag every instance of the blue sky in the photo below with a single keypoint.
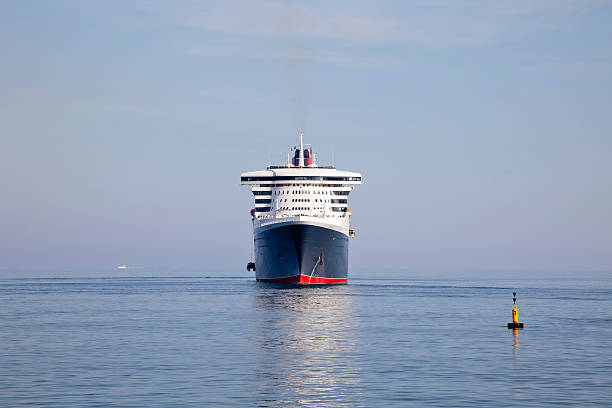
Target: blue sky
[{"x": 483, "y": 130}]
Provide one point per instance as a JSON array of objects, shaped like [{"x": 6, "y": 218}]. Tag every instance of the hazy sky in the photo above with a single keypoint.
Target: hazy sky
[{"x": 483, "y": 129}]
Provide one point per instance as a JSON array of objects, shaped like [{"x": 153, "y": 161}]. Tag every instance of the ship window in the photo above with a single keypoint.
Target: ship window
[
  {"x": 263, "y": 201},
  {"x": 339, "y": 200},
  {"x": 300, "y": 178}
]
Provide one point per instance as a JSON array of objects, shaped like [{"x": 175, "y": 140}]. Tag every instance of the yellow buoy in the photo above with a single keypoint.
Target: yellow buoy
[{"x": 515, "y": 322}]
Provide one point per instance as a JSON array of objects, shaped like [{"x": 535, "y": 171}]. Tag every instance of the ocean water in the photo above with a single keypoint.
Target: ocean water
[{"x": 406, "y": 340}]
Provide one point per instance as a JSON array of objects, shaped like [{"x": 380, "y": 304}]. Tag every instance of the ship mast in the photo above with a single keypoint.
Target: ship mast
[{"x": 301, "y": 163}]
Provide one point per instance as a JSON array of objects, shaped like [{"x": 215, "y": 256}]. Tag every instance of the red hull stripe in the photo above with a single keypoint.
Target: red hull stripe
[{"x": 306, "y": 280}]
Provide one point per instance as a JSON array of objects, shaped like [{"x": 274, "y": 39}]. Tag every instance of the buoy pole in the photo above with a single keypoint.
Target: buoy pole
[
  {"x": 515, "y": 321},
  {"x": 514, "y": 312}
]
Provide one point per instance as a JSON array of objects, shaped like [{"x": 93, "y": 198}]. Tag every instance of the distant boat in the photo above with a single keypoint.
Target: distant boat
[{"x": 122, "y": 267}]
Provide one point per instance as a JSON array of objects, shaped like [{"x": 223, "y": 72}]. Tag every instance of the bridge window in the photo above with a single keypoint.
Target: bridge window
[{"x": 300, "y": 178}]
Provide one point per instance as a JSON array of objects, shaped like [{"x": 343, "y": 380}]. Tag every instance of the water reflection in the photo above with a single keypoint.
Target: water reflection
[
  {"x": 304, "y": 340},
  {"x": 515, "y": 363},
  {"x": 515, "y": 342}
]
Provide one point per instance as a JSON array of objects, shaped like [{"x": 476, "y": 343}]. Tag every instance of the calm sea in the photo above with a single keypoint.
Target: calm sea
[{"x": 407, "y": 340}]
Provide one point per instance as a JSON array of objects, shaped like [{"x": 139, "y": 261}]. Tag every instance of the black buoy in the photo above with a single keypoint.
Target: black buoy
[
  {"x": 251, "y": 266},
  {"x": 515, "y": 323}
]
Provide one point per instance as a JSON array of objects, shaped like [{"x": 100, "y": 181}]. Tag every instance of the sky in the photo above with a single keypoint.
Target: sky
[{"x": 483, "y": 130}]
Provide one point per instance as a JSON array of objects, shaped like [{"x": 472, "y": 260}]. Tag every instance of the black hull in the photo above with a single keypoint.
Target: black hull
[{"x": 301, "y": 254}]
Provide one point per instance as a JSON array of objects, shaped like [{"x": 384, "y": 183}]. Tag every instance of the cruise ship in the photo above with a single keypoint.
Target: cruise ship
[{"x": 301, "y": 220}]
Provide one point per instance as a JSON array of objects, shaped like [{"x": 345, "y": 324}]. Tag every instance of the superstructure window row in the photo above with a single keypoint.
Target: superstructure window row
[
  {"x": 263, "y": 201},
  {"x": 286, "y": 178},
  {"x": 338, "y": 200},
  {"x": 298, "y": 185},
  {"x": 262, "y": 193},
  {"x": 262, "y": 209},
  {"x": 340, "y": 192},
  {"x": 309, "y": 192},
  {"x": 339, "y": 209}
]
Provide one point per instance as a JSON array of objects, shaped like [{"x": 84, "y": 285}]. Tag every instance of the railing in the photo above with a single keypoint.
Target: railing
[
  {"x": 305, "y": 167},
  {"x": 284, "y": 215}
]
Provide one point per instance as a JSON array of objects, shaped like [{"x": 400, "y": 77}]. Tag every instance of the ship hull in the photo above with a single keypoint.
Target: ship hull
[{"x": 301, "y": 254}]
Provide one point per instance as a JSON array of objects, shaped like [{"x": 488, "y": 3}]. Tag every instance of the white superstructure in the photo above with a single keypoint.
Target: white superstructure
[{"x": 301, "y": 192}]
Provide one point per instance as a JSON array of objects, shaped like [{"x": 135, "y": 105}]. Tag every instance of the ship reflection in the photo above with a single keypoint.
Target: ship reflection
[
  {"x": 515, "y": 364},
  {"x": 305, "y": 347}
]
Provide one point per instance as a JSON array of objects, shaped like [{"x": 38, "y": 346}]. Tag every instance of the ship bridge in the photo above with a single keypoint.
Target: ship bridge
[{"x": 301, "y": 188}]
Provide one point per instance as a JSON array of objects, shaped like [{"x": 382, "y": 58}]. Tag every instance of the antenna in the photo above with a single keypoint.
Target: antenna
[{"x": 301, "y": 163}]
